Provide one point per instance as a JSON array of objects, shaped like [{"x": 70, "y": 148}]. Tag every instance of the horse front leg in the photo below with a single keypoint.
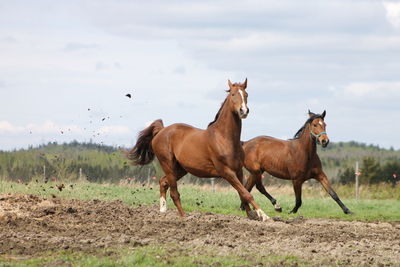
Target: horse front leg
[
  {"x": 249, "y": 185},
  {"x": 297, "y": 184},
  {"x": 323, "y": 179},
  {"x": 245, "y": 196}
]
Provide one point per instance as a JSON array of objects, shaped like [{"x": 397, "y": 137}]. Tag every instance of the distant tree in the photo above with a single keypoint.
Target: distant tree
[
  {"x": 346, "y": 176},
  {"x": 371, "y": 171},
  {"x": 391, "y": 172}
]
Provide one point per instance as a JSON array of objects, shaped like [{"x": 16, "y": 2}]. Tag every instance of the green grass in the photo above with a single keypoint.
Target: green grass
[
  {"x": 224, "y": 202},
  {"x": 164, "y": 255}
]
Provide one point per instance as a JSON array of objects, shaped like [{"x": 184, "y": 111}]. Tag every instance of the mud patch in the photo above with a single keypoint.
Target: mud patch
[{"x": 30, "y": 225}]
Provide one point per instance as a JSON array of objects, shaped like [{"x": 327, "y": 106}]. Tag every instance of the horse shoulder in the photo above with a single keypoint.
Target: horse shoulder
[{"x": 316, "y": 165}]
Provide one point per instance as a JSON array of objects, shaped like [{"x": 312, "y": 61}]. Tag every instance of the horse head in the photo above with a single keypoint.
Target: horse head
[
  {"x": 318, "y": 128},
  {"x": 238, "y": 98}
]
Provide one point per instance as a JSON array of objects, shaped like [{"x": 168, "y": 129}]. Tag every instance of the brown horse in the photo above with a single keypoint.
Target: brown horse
[
  {"x": 295, "y": 159},
  {"x": 214, "y": 152}
]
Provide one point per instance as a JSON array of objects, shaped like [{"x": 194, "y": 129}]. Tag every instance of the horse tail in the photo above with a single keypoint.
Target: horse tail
[{"x": 142, "y": 153}]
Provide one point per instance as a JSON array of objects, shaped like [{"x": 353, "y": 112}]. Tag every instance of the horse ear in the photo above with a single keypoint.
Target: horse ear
[
  {"x": 323, "y": 114},
  {"x": 230, "y": 84},
  {"x": 310, "y": 113},
  {"x": 245, "y": 84}
]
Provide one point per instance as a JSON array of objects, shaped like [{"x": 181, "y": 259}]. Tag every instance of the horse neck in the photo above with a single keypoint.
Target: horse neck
[
  {"x": 228, "y": 124},
  {"x": 307, "y": 142}
]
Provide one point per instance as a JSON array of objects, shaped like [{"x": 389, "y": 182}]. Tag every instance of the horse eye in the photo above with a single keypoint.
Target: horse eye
[{"x": 233, "y": 94}]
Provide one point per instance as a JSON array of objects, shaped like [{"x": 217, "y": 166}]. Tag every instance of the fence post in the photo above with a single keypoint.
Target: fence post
[
  {"x": 213, "y": 184},
  {"x": 357, "y": 174},
  {"x": 80, "y": 173},
  {"x": 148, "y": 178},
  {"x": 44, "y": 174}
]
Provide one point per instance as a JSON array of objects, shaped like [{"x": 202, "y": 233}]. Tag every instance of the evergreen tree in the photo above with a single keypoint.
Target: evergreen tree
[{"x": 371, "y": 171}]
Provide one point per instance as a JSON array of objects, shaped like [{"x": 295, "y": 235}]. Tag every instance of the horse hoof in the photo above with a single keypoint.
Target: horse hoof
[
  {"x": 278, "y": 208},
  {"x": 262, "y": 216},
  {"x": 163, "y": 205},
  {"x": 348, "y": 212},
  {"x": 252, "y": 215}
]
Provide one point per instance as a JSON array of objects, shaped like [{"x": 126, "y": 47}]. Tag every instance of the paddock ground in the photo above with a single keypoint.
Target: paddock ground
[{"x": 31, "y": 225}]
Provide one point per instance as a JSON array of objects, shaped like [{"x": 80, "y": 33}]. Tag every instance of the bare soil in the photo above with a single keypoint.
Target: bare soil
[{"x": 30, "y": 225}]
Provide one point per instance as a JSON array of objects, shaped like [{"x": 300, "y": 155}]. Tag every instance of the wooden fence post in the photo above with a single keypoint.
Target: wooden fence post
[{"x": 357, "y": 174}]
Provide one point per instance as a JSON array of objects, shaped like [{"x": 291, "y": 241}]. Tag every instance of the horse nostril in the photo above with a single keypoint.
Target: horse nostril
[{"x": 325, "y": 142}]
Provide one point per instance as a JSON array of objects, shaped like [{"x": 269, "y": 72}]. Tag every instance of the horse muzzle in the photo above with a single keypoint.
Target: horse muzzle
[
  {"x": 325, "y": 142},
  {"x": 243, "y": 113}
]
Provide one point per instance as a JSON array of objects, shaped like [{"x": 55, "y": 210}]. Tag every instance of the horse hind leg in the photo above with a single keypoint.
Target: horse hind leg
[
  {"x": 172, "y": 181},
  {"x": 263, "y": 191},
  {"x": 163, "y": 192},
  {"x": 169, "y": 181}
]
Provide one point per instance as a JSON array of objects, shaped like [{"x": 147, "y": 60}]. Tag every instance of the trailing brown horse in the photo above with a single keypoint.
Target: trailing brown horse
[
  {"x": 214, "y": 152},
  {"x": 295, "y": 159}
]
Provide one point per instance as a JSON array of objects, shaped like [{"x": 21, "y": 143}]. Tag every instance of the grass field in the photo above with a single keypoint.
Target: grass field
[
  {"x": 316, "y": 204},
  {"x": 149, "y": 256}
]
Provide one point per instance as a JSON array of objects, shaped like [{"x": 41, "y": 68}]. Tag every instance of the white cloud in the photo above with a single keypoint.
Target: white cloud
[
  {"x": 7, "y": 127},
  {"x": 386, "y": 90},
  {"x": 114, "y": 129},
  {"x": 392, "y": 12},
  {"x": 47, "y": 127}
]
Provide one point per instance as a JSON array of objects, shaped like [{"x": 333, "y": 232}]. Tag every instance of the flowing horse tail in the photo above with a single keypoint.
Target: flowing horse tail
[{"x": 142, "y": 153}]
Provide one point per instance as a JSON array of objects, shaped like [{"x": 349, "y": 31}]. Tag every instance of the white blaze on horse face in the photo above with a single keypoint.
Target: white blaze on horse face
[
  {"x": 163, "y": 204},
  {"x": 244, "y": 107},
  {"x": 320, "y": 122}
]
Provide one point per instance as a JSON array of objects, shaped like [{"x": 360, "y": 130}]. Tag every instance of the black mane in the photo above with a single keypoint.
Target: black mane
[
  {"x": 301, "y": 130},
  {"x": 217, "y": 115}
]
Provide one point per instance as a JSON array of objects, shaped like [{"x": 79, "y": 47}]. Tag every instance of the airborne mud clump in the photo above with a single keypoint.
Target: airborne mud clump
[{"x": 30, "y": 225}]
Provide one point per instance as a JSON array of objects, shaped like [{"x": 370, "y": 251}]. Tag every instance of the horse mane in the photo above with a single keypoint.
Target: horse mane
[
  {"x": 218, "y": 113},
  {"x": 301, "y": 130}
]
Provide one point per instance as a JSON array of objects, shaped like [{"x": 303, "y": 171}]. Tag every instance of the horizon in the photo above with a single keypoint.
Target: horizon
[{"x": 350, "y": 143}]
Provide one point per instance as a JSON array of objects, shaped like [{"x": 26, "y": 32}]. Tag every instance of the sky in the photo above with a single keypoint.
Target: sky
[{"x": 66, "y": 66}]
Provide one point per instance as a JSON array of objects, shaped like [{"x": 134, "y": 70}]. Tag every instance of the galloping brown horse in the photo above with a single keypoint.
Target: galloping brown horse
[
  {"x": 214, "y": 152},
  {"x": 295, "y": 159}
]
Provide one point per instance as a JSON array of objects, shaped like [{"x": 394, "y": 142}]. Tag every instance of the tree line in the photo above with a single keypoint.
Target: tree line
[
  {"x": 372, "y": 172},
  {"x": 101, "y": 163}
]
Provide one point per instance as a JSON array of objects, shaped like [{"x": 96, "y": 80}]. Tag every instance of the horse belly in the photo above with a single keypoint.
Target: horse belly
[
  {"x": 277, "y": 168},
  {"x": 197, "y": 165}
]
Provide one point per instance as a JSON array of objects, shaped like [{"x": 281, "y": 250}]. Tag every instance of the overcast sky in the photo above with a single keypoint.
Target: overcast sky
[{"x": 58, "y": 59}]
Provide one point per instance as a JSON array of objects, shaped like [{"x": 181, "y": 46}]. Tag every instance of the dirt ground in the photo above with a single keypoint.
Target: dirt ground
[{"x": 30, "y": 225}]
